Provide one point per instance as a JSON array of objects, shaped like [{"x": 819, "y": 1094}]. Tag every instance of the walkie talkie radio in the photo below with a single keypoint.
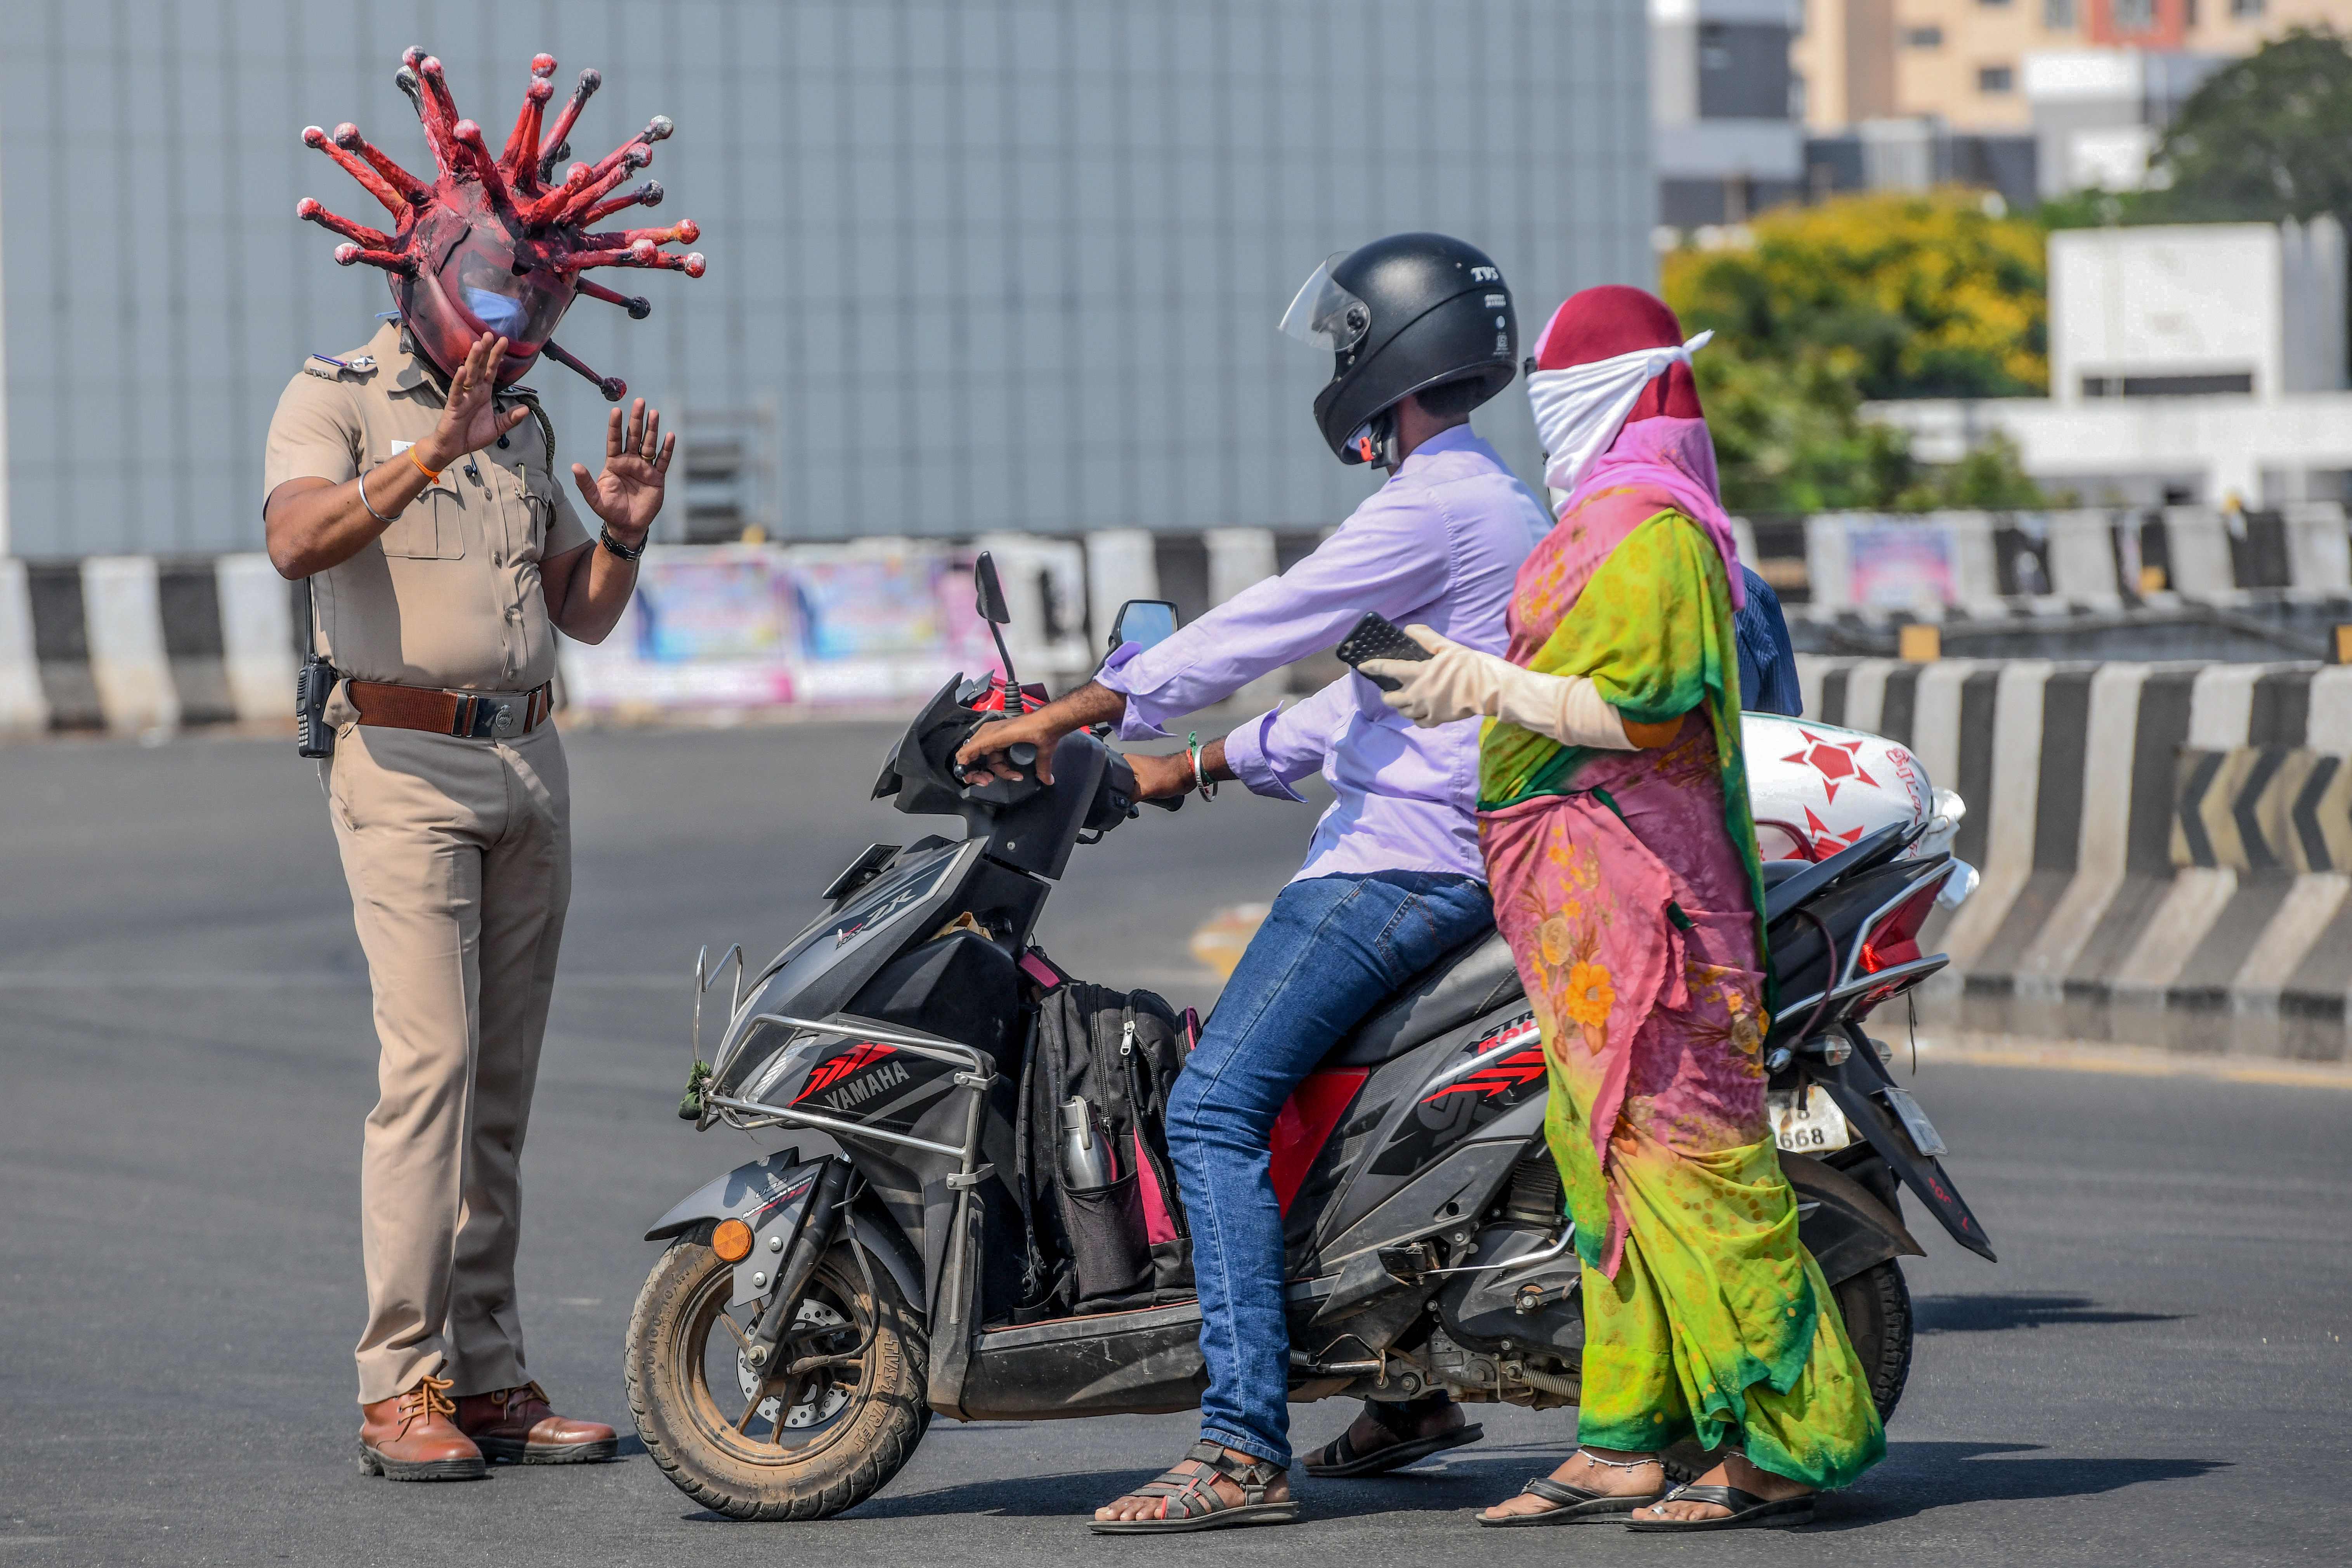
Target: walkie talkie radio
[{"x": 313, "y": 685}]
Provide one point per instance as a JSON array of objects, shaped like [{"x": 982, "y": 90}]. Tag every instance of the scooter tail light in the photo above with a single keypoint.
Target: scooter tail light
[{"x": 1895, "y": 940}]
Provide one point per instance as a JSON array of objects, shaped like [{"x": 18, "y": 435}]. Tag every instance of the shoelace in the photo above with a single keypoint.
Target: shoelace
[{"x": 426, "y": 1400}]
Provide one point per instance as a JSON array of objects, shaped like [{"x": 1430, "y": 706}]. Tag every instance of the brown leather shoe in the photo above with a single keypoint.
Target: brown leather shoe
[
  {"x": 517, "y": 1424},
  {"x": 408, "y": 1437}
]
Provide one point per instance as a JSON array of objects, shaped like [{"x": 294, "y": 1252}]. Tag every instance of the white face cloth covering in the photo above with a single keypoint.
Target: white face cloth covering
[{"x": 1580, "y": 410}]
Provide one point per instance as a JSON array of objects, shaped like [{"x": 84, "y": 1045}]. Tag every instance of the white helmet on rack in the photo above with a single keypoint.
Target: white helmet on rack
[{"x": 1816, "y": 789}]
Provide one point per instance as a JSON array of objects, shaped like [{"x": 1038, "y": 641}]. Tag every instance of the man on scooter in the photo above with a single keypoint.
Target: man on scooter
[{"x": 1422, "y": 331}]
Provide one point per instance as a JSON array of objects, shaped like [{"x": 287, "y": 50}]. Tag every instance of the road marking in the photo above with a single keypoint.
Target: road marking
[
  {"x": 2127, "y": 1061},
  {"x": 1219, "y": 941}
]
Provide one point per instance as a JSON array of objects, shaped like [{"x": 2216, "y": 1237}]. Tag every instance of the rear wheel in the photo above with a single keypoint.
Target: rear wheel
[
  {"x": 788, "y": 1447},
  {"x": 1876, "y": 1307}
]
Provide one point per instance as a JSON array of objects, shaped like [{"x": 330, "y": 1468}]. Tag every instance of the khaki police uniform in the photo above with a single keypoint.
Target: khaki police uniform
[{"x": 457, "y": 851}]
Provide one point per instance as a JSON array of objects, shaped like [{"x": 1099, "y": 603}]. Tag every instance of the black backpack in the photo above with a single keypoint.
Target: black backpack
[{"x": 1124, "y": 1244}]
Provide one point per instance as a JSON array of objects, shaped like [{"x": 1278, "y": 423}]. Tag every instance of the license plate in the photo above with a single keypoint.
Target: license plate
[
  {"x": 1923, "y": 1136},
  {"x": 1807, "y": 1122}
]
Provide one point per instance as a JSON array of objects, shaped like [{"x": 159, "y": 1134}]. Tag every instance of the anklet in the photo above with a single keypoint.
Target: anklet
[{"x": 1617, "y": 1464}]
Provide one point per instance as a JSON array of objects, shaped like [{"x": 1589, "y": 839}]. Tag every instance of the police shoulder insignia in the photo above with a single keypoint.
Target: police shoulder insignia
[{"x": 333, "y": 369}]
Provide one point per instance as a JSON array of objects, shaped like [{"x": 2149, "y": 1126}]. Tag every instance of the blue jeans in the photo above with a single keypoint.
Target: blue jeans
[{"x": 1331, "y": 950}]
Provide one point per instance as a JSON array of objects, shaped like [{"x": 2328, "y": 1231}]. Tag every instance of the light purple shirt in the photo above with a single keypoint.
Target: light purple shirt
[{"x": 1439, "y": 544}]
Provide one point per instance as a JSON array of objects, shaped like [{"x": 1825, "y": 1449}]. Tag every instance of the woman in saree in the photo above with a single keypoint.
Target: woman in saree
[{"x": 1614, "y": 820}]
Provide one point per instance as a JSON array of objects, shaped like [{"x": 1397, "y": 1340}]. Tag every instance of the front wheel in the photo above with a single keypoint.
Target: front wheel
[{"x": 790, "y": 1447}]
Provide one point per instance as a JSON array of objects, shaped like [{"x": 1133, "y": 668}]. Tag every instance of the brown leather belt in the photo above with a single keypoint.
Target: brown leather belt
[{"x": 471, "y": 715}]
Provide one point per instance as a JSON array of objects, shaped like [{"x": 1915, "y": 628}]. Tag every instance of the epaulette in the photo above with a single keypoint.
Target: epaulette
[{"x": 327, "y": 367}]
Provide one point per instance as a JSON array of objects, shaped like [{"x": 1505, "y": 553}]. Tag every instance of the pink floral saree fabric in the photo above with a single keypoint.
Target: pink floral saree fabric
[{"x": 1628, "y": 897}]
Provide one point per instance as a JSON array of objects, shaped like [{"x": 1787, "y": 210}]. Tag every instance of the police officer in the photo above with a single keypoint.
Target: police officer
[{"x": 415, "y": 491}]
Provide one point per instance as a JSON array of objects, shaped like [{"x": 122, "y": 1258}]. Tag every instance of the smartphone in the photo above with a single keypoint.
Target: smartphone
[{"x": 1377, "y": 636}]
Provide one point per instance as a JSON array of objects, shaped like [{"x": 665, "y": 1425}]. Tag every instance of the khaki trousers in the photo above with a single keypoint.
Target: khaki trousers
[{"x": 458, "y": 854}]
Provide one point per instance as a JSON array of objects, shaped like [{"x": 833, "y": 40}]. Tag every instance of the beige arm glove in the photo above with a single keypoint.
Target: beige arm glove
[{"x": 1456, "y": 682}]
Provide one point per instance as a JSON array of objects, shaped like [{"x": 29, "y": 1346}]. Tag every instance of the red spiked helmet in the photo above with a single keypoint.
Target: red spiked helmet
[{"x": 496, "y": 244}]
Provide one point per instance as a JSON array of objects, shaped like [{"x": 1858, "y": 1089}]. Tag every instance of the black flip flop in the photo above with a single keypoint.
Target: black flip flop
[
  {"x": 1345, "y": 1461},
  {"x": 1570, "y": 1504},
  {"x": 1748, "y": 1512}
]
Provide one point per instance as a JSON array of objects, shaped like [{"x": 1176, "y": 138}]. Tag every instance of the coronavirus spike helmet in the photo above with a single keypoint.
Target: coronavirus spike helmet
[{"x": 496, "y": 243}]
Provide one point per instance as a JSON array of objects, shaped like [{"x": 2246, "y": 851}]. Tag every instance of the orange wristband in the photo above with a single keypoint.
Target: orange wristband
[{"x": 430, "y": 477}]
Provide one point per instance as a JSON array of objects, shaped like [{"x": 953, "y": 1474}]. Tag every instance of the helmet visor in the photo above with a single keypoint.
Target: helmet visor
[
  {"x": 1324, "y": 314},
  {"x": 478, "y": 276}
]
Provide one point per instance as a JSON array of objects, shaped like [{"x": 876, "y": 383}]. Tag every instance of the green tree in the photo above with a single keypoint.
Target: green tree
[
  {"x": 1876, "y": 295},
  {"x": 2265, "y": 137}
]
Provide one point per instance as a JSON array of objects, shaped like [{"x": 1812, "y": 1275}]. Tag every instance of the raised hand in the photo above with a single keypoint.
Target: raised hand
[
  {"x": 627, "y": 496},
  {"x": 470, "y": 419}
]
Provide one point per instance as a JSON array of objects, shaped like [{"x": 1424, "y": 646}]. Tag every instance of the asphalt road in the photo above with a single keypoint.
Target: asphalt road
[{"x": 2156, "y": 1371}]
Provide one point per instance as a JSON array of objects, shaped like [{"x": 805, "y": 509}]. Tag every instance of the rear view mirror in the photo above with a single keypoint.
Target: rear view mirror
[
  {"x": 991, "y": 602},
  {"x": 1144, "y": 621}
]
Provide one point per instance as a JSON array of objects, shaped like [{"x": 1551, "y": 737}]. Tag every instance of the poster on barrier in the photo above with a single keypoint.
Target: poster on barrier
[
  {"x": 1902, "y": 565},
  {"x": 736, "y": 627},
  {"x": 864, "y": 606},
  {"x": 729, "y": 604}
]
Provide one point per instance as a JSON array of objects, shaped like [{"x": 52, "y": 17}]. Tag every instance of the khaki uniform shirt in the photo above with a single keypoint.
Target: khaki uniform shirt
[{"x": 449, "y": 595}]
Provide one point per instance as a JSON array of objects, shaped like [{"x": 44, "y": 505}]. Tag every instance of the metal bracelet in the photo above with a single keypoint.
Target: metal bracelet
[
  {"x": 369, "y": 504},
  {"x": 605, "y": 537},
  {"x": 1199, "y": 779}
]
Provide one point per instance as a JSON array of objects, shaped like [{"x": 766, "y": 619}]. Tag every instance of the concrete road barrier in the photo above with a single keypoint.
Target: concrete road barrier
[
  {"x": 132, "y": 644},
  {"x": 2167, "y": 848},
  {"x": 138, "y": 644},
  {"x": 2092, "y": 557},
  {"x": 23, "y": 709},
  {"x": 123, "y": 633},
  {"x": 258, "y": 643}
]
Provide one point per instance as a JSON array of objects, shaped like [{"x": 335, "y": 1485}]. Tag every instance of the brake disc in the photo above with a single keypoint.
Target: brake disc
[{"x": 825, "y": 1401}]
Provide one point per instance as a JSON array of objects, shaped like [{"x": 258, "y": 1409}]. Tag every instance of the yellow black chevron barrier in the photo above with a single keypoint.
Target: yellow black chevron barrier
[{"x": 2263, "y": 808}]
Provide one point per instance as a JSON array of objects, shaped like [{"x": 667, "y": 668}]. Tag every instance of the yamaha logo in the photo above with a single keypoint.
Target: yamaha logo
[
  {"x": 850, "y": 1096},
  {"x": 849, "y": 1080}
]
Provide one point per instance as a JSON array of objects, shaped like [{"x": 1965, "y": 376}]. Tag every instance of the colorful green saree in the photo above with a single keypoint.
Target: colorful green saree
[{"x": 1627, "y": 883}]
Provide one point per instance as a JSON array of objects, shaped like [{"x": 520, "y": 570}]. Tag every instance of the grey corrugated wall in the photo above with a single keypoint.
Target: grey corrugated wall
[{"x": 999, "y": 263}]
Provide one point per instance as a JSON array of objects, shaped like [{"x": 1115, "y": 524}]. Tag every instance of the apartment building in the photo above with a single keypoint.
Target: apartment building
[
  {"x": 2207, "y": 27},
  {"x": 1961, "y": 61},
  {"x": 1725, "y": 137},
  {"x": 1964, "y": 61}
]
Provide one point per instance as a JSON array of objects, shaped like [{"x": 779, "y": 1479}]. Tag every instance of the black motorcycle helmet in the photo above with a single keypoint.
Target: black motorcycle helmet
[{"x": 1405, "y": 314}]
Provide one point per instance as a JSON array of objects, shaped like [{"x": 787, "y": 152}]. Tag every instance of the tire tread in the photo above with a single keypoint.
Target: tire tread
[
  {"x": 882, "y": 1460},
  {"x": 1879, "y": 1298}
]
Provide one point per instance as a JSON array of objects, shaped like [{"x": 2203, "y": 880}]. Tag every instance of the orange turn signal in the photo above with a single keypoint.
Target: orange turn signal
[{"x": 731, "y": 1240}]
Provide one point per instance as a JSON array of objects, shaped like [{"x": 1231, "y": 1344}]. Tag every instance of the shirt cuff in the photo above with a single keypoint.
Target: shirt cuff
[
  {"x": 1245, "y": 754},
  {"x": 1136, "y": 720}
]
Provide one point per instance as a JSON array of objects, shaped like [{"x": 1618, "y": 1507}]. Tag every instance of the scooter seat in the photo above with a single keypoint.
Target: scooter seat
[{"x": 1477, "y": 977}]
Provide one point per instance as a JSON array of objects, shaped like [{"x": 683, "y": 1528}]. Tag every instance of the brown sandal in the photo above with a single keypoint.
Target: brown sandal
[{"x": 1192, "y": 1501}]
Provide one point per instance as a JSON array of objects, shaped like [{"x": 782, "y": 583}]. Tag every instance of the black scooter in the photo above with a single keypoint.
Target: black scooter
[{"x": 809, "y": 1316}]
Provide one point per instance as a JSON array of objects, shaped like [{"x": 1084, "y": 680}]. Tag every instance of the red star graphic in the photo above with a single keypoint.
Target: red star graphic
[
  {"x": 1833, "y": 759},
  {"x": 1825, "y": 843}
]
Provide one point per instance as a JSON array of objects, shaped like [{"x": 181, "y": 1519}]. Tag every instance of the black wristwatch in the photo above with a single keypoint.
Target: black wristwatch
[{"x": 616, "y": 547}]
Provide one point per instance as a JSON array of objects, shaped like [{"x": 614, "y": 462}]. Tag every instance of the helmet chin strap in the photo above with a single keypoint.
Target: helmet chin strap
[{"x": 1376, "y": 443}]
